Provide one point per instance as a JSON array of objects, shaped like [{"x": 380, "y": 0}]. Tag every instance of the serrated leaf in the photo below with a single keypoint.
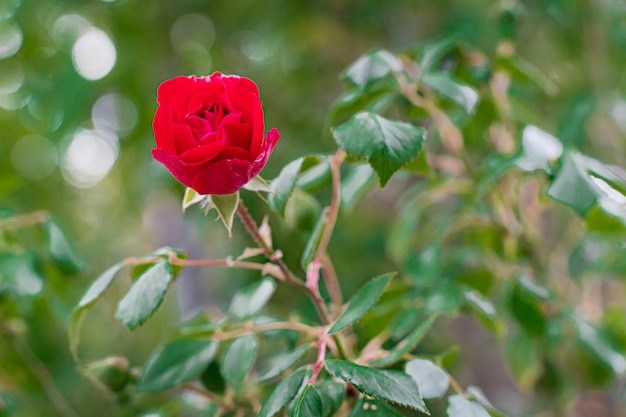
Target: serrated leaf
[
  {"x": 461, "y": 94},
  {"x": 226, "y": 206},
  {"x": 539, "y": 148},
  {"x": 61, "y": 249},
  {"x": 191, "y": 197},
  {"x": 371, "y": 407},
  {"x": 308, "y": 403},
  {"x": 252, "y": 298},
  {"x": 145, "y": 295},
  {"x": 407, "y": 345},
  {"x": 394, "y": 386},
  {"x": 20, "y": 275},
  {"x": 281, "y": 362},
  {"x": 372, "y": 66},
  {"x": 175, "y": 363},
  {"x": 284, "y": 184},
  {"x": 238, "y": 360},
  {"x": 258, "y": 184},
  {"x": 315, "y": 239},
  {"x": 284, "y": 392},
  {"x": 432, "y": 381},
  {"x": 362, "y": 301},
  {"x": 387, "y": 144},
  {"x": 355, "y": 182},
  {"x": 459, "y": 406}
]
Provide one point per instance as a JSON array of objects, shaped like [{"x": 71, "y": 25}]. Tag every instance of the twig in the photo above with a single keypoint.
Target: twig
[{"x": 23, "y": 220}]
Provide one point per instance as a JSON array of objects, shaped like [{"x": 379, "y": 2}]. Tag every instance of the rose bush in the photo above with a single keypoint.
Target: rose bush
[{"x": 209, "y": 132}]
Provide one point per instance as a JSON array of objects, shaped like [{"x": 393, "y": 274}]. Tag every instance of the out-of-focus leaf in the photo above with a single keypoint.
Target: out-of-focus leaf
[
  {"x": 394, "y": 386},
  {"x": 424, "y": 267},
  {"x": 315, "y": 240},
  {"x": 432, "y": 381},
  {"x": 599, "y": 346},
  {"x": 461, "y": 94},
  {"x": 459, "y": 406},
  {"x": 372, "y": 66},
  {"x": 387, "y": 144},
  {"x": 531, "y": 288},
  {"x": 308, "y": 403},
  {"x": 145, "y": 295},
  {"x": 523, "y": 359},
  {"x": 252, "y": 298},
  {"x": 175, "y": 363},
  {"x": 539, "y": 148},
  {"x": 238, "y": 360},
  {"x": 61, "y": 249},
  {"x": 407, "y": 345},
  {"x": 284, "y": 184},
  {"x": 284, "y": 392},
  {"x": 434, "y": 50},
  {"x": 20, "y": 275},
  {"x": 362, "y": 302},
  {"x": 572, "y": 126},
  {"x": 355, "y": 182},
  {"x": 528, "y": 313},
  {"x": 281, "y": 362},
  {"x": 484, "y": 310},
  {"x": 226, "y": 206}
]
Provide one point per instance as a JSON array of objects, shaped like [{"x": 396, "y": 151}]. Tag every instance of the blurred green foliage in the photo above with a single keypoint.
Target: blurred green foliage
[{"x": 80, "y": 150}]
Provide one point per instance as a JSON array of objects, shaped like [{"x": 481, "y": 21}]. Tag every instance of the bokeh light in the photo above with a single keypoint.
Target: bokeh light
[
  {"x": 11, "y": 39},
  {"x": 94, "y": 54},
  {"x": 192, "y": 33},
  {"x": 89, "y": 157},
  {"x": 114, "y": 112},
  {"x": 34, "y": 157}
]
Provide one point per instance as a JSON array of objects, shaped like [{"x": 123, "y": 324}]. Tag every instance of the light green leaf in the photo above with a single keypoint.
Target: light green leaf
[
  {"x": 355, "y": 182},
  {"x": 572, "y": 185},
  {"x": 387, "y": 144},
  {"x": 258, "y": 184},
  {"x": 238, "y": 359},
  {"x": 308, "y": 403},
  {"x": 459, "y": 406},
  {"x": 484, "y": 310},
  {"x": 599, "y": 346},
  {"x": 394, "y": 386},
  {"x": 434, "y": 50},
  {"x": 281, "y": 362},
  {"x": 407, "y": 345},
  {"x": 371, "y": 407},
  {"x": 226, "y": 206},
  {"x": 284, "y": 392},
  {"x": 20, "y": 274},
  {"x": 372, "y": 66},
  {"x": 362, "y": 302},
  {"x": 145, "y": 295},
  {"x": 252, "y": 298},
  {"x": 61, "y": 249},
  {"x": 191, "y": 197},
  {"x": 175, "y": 363},
  {"x": 463, "y": 95},
  {"x": 432, "y": 381}
]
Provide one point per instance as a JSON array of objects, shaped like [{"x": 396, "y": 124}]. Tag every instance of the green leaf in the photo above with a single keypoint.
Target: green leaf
[
  {"x": 314, "y": 241},
  {"x": 599, "y": 346},
  {"x": 372, "y": 66},
  {"x": 145, "y": 295},
  {"x": 407, "y": 345},
  {"x": 258, "y": 184},
  {"x": 461, "y": 94},
  {"x": 93, "y": 293},
  {"x": 20, "y": 274},
  {"x": 539, "y": 149},
  {"x": 281, "y": 362},
  {"x": 191, "y": 197},
  {"x": 362, "y": 301},
  {"x": 572, "y": 125},
  {"x": 355, "y": 182},
  {"x": 459, "y": 406},
  {"x": 252, "y": 298},
  {"x": 308, "y": 403},
  {"x": 394, "y": 386},
  {"x": 371, "y": 407},
  {"x": 434, "y": 50},
  {"x": 175, "y": 363},
  {"x": 523, "y": 358},
  {"x": 332, "y": 394},
  {"x": 238, "y": 360},
  {"x": 284, "y": 184},
  {"x": 226, "y": 206},
  {"x": 484, "y": 310},
  {"x": 432, "y": 381},
  {"x": 387, "y": 144},
  {"x": 284, "y": 392},
  {"x": 61, "y": 249}
]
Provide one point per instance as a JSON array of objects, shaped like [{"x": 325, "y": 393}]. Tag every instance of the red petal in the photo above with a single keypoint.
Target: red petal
[
  {"x": 183, "y": 137},
  {"x": 223, "y": 177},
  {"x": 175, "y": 93},
  {"x": 257, "y": 132},
  {"x": 161, "y": 127},
  {"x": 234, "y": 153},
  {"x": 183, "y": 172},
  {"x": 271, "y": 139},
  {"x": 203, "y": 99},
  {"x": 236, "y": 81},
  {"x": 237, "y": 135},
  {"x": 202, "y": 154}
]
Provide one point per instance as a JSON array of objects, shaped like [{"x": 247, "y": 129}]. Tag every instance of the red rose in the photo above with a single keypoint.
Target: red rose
[{"x": 209, "y": 132}]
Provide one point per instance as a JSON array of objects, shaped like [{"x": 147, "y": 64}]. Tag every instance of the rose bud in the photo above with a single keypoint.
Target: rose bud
[{"x": 209, "y": 132}]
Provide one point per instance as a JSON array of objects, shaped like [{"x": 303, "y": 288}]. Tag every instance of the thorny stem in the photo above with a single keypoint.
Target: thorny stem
[{"x": 321, "y": 355}]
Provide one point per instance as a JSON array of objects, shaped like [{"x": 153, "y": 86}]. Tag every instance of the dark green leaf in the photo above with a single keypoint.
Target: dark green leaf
[
  {"x": 371, "y": 407},
  {"x": 61, "y": 249},
  {"x": 175, "y": 363},
  {"x": 424, "y": 267},
  {"x": 434, "y": 50},
  {"x": 226, "y": 206},
  {"x": 355, "y": 182},
  {"x": 20, "y": 275},
  {"x": 145, "y": 295},
  {"x": 432, "y": 381},
  {"x": 238, "y": 360},
  {"x": 407, "y": 345},
  {"x": 572, "y": 125},
  {"x": 459, "y": 406},
  {"x": 372, "y": 66},
  {"x": 252, "y": 298},
  {"x": 284, "y": 184},
  {"x": 484, "y": 310},
  {"x": 523, "y": 359},
  {"x": 463, "y": 95},
  {"x": 281, "y": 362},
  {"x": 308, "y": 403},
  {"x": 531, "y": 288},
  {"x": 362, "y": 302},
  {"x": 387, "y": 144},
  {"x": 332, "y": 394},
  {"x": 284, "y": 392},
  {"x": 394, "y": 386},
  {"x": 572, "y": 185}
]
